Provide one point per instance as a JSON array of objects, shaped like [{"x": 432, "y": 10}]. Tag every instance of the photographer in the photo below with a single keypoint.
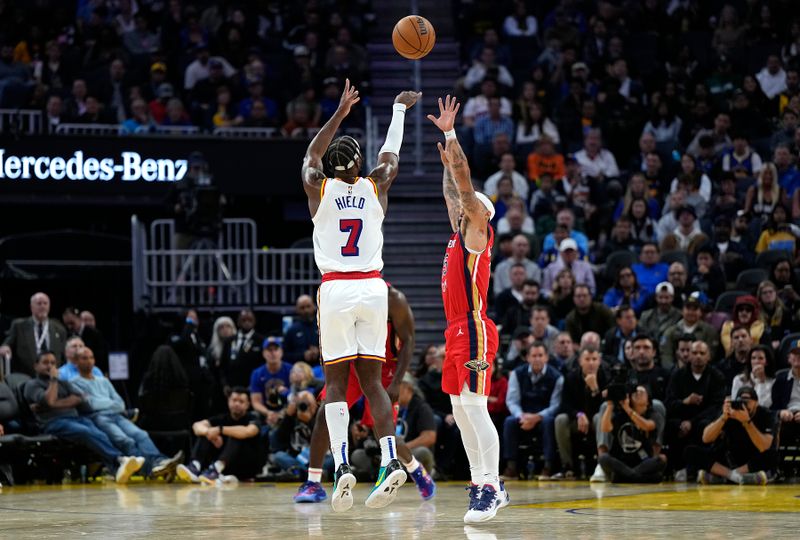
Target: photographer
[
  {"x": 580, "y": 402},
  {"x": 738, "y": 444},
  {"x": 270, "y": 383},
  {"x": 291, "y": 441},
  {"x": 634, "y": 454}
]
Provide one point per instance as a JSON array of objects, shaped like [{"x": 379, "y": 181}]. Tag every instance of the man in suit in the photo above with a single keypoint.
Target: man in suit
[
  {"x": 30, "y": 336},
  {"x": 90, "y": 336},
  {"x": 242, "y": 354},
  {"x": 786, "y": 396}
]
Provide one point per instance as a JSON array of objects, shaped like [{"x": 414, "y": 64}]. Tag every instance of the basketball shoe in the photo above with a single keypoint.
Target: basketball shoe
[
  {"x": 390, "y": 478},
  {"x": 310, "y": 492},
  {"x": 425, "y": 484},
  {"x": 343, "y": 483},
  {"x": 485, "y": 507}
]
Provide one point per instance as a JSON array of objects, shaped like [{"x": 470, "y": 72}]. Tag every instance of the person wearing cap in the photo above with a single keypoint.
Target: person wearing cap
[
  {"x": 568, "y": 258},
  {"x": 657, "y": 320},
  {"x": 273, "y": 375},
  {"x": 692, "y": 392},
  {"x": 201, "y": 67},
  {"x": 744, "y": 455},
  {"x": 690, "y": 323},
  {"x": 158, "y": 75},
  {"x": 786, "y": 396}
]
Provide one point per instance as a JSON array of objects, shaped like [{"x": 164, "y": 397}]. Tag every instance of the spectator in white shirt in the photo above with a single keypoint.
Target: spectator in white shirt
[
  {"x": 482, "y": 66},
  {"x": 520, "y": 24},
  {"x": 596, "y": 161},
  {"x": 199, "y": 69},
  {"x": 536, "y": 125},
  {"x": 478, "y": 106},
  {"x": 772, "y": 77},
  {"x": 507, "y": 168}
]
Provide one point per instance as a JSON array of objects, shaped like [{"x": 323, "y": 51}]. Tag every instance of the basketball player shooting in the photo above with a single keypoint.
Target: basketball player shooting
[
  {"x": 399, "y": 349},
  {"x": 471, "y": 338},
  {"x": 348, "y": 212}
]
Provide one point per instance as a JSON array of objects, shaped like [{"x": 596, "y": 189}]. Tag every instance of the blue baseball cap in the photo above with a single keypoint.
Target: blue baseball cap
[{"x": 272, "y": 340}]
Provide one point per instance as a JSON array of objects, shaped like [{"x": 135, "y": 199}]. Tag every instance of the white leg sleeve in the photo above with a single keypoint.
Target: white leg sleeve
[
  {"x": 470, "y": 440},
  {"x": 475, "y": 407},
  {"x": 394, "y": 136}
]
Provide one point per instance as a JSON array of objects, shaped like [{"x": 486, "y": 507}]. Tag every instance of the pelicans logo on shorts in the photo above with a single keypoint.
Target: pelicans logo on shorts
[{"x": 477, "y": 365}]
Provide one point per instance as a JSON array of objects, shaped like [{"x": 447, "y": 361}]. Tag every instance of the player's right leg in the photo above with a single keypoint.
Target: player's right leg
[
  {"x": 338, "y": 348},
  {"x": 312, "y": 491}
]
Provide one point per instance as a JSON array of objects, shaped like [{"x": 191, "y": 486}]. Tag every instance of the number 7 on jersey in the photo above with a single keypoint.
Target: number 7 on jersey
[{"x": 352, "y": 226}]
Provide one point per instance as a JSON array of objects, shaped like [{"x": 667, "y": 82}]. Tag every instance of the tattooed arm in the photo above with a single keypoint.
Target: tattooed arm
[{"x": 451, "y": 197}]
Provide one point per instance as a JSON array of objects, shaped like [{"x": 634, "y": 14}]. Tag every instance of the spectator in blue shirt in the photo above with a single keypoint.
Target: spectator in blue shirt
[
  {"x": 489, "y": 126},
  {"x": 256, "y": 90},
  {"x": 106, "y": 409},
  {"x": 69, "y": 371},
  {"x": 788, "y": 175},
  {"x": 626, "y": 290},
  {"x": 566, "y": 217},
  {"x": 649, "y": 270},
  {"x": 301, "y": 339},
  {"x": 269, "y": 384},
  {"x": 533, "y": 399}
]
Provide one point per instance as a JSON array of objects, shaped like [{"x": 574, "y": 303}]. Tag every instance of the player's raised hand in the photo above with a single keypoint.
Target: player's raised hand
[
  {"x": 408, "y": 98},
  {"x": 349, "y": 98},
  {"x": 443, "y": 154},
  {"x": 447, "y": 114}
]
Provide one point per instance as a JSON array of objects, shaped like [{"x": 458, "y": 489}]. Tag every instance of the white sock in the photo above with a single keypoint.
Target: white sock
[
  {"x": 388, "y": 449},
  {"x": 735, "y": 476},
  {"x": 412, "y": 465},
  {"x": 475, "y": 408},
  {"x": 220, "y": 466},
  {"x": 314, "y": 475},
  {"x": 338, "y": 419},
  {"x": 470, "y": 440}
]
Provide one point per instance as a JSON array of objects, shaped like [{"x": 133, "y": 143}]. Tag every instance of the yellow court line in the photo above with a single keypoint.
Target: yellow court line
[{"x": 699, "y": 499}]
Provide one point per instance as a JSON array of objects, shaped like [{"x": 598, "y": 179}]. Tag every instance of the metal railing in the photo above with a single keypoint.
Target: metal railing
[
  {"x": 226, "y": 272},
  {"x": 20, "y": 121},
  {"x": 88, "y": 129}
]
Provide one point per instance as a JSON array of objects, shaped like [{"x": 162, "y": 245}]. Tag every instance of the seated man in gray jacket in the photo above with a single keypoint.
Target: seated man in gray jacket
[{"x": 105, "y": 407}]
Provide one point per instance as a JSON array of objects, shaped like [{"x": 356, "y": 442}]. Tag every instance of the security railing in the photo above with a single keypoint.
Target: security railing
[{"x": 224, "y": 272}]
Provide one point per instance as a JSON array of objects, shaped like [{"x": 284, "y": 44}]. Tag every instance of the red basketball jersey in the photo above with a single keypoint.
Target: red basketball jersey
[{"x": 465, "y": 278}]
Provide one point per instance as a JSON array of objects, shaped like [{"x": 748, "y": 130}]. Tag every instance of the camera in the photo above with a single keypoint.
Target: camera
[
  {"x": 737, "y": 404},
  {"x": 302, "y": 406},
  {"x": 621, "y": 384},
  {"x": 274, "y": 400}
]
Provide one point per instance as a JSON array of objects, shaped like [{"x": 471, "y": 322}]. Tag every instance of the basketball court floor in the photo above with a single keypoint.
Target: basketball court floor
[{"x": 571, "y": 510}]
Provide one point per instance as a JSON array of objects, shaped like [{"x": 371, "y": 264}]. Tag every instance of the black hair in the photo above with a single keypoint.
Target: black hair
[
  {"x": 239, "y": 390},
  {"x": 45, "y": 353},
  {"x": 342, "y": 153},
  {"x": 769, "y": 368}
]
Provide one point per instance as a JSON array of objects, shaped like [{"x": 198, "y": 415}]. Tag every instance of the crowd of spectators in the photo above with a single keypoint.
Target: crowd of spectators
[
  {"x": 642, "y": 158},
  {"x": 148, "y": 63}
]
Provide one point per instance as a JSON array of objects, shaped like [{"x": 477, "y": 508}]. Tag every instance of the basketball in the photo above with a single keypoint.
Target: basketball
[{"x": 413, "y": 37}]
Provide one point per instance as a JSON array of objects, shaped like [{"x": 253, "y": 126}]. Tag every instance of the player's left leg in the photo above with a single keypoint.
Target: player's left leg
[
  {"x": 312, "y": 490},
  {"x": 391, "y": 474}
]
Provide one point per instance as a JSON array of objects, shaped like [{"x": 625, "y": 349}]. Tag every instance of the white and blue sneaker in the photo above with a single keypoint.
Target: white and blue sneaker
[
  {"x": 505, "y": 499},
  {"x": 485, "y": 508},
  {"x": 343, "y": 484}
]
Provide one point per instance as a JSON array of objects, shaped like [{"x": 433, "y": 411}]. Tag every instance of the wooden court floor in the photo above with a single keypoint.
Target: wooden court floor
[{"x": 538, "y": 510}]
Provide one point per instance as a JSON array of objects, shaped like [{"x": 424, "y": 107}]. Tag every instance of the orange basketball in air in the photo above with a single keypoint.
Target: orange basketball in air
[{"x": 413, "y": 37}]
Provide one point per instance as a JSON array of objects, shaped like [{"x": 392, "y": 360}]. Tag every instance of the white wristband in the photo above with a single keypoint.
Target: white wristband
[
  {"x": 450, "y": 134},
  {"x": 399, "y": 107}
]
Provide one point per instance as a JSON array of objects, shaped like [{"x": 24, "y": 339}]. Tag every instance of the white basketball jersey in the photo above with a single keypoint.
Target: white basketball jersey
[{"x": 348, "y": 235}]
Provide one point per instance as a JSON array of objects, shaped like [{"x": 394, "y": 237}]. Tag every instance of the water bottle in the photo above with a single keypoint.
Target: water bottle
[
  {"x": 286, "y": 323},
  {"x": 83, "y": 474}
]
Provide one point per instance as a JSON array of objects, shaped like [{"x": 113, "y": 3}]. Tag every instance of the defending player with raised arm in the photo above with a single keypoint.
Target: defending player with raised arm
[
  {"x": 471, "y": 338},
  {"x": 348, "y": 212},
  {"x": 399, "y": 350}
]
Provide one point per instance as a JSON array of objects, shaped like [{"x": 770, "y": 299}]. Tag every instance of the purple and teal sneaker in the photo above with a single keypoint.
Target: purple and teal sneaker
[
  {"x": 425, "y": 484},
  {"x": 310, "y": 492}
]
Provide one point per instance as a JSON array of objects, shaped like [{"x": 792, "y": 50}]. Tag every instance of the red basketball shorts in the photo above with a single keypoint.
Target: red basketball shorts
[{"x": 470, "y": 348}]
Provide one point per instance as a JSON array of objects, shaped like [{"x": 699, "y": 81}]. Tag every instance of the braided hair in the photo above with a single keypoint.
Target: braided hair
[{"x": 342, "y": 153}]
